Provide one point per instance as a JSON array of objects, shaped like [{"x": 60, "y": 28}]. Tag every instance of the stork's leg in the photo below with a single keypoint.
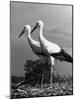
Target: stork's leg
[
  {"x": 51, "y": 74},
  {"x": 42, "y": 80}
]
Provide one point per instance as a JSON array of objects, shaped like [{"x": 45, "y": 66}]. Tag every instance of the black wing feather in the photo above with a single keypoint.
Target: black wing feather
[{"x": 63, "y": 56}]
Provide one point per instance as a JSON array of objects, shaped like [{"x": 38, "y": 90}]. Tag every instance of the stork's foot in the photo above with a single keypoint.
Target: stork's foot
[
  {"x": 51, "y": 85},
  {"x": 42, "y": 86},
  {"x": 51, "y": 80}
]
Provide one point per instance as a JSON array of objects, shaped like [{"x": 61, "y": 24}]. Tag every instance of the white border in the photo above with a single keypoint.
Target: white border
[{"x": 5, "y": 48}]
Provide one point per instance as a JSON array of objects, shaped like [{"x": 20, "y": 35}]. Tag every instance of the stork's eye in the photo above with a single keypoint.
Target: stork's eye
[
  {"x": 24, "y": 27},
  {"x": 37, "y": 24}
]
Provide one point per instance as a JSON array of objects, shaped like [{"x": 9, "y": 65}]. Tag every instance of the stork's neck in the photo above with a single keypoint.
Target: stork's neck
[
  {"x": 41, "y": 37},
  {"x": 41, "y": 30},
  {"x": 29, "y": 35},
  {"x": 30, "y": 40}
]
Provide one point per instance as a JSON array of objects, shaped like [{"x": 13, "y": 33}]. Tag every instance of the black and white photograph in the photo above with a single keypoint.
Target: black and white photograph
[{"x": 41, "y": 49}]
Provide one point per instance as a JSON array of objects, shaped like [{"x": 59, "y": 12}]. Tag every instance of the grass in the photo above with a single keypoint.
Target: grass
[
  {"x": 58, "y": 88},
  {"x": 30, "y": 85}
]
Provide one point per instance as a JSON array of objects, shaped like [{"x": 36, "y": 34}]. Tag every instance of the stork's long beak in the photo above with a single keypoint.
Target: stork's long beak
[
  {"x": 34, "y": 28},
  {"x": 21, "y": 33}
]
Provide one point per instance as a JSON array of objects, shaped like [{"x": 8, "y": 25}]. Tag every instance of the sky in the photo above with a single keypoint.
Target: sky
[{"x": 57, "y": 29}]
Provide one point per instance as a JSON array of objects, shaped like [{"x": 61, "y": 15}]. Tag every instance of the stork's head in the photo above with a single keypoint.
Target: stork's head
[
  {"x": 39, "y": 24},
  {"x": 25, "y": 29}
]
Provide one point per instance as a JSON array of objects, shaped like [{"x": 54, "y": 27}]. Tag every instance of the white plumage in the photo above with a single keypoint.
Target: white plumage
[
  {"x": 36, "y": 47},
  {"x": 49, "y": 48}
]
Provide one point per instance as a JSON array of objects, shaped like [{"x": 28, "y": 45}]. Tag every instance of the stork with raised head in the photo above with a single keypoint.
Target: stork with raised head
[
  {"x": 36, "y": 48},
  {"x": 50, "y": 48},
  {"x": 35, "y": 45}
]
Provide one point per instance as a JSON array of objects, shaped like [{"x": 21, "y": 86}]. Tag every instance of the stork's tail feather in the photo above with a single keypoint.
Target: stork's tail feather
[
  {"x": 68, "y": 58},
  {"x": 63, "y": 56}
]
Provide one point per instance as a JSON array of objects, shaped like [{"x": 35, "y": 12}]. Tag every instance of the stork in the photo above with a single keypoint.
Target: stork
[
  {"x": 36, "y": 48},
  {"x": 50, "y": 48},
  {"x": 35, "y": 45}
]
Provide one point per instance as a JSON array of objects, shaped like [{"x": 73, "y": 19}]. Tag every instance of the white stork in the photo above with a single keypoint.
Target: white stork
[
  {"x": 36, "y": 48},
  {"x": 35, "y": 45},
  {"x": 49, "y": 48}
]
